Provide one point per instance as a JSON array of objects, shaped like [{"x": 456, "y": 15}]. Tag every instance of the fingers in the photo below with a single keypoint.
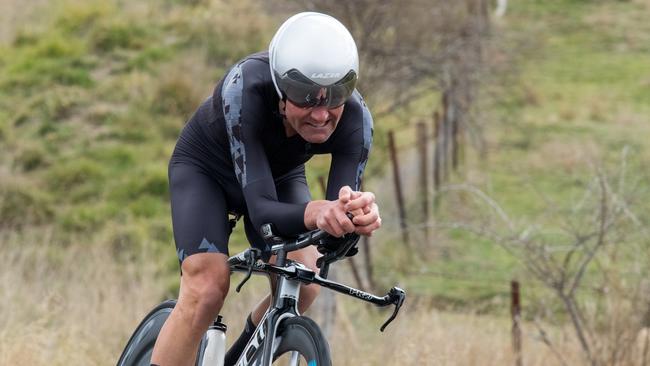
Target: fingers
[
  {"x": 366, "y": 218},
  {"x": 363, "y": 200},
  {"x": 345, "y": 194},
  {"x": 346, "y": 224},
  {"x": 369, "y": 222},
  {"x": 360, "y": 204},
  {"x": 333, "y": 227},
  {"x": 333, "y": 220},
  {"x": 369, "y": 229}
]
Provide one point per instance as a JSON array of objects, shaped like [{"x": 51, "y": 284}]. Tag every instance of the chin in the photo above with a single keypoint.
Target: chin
[{"x": 316, "y": 138}]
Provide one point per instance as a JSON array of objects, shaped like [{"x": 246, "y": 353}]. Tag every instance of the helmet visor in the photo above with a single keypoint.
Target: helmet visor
[{"x": 305, "y": 93}]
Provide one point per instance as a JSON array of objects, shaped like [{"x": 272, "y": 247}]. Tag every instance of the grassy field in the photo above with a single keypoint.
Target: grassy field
[
  {"x": 93, "y": 96},
  {"x": 578, "y": 103},
  {"x": 71, "y": 309}
]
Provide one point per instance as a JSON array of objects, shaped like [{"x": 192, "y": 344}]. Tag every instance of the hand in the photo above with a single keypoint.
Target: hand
[
  {"x": 332, "y": 216},
  {"x": 366, "y": 212}
]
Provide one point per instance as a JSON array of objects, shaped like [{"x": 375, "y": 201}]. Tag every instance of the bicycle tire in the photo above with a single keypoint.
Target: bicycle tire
[
  {"x": 302, "y": 335},
  {"x": 139, "y": 348}
]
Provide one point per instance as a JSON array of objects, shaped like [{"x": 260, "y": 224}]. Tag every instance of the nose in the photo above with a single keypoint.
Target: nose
[{"x": 320, "y": 114}]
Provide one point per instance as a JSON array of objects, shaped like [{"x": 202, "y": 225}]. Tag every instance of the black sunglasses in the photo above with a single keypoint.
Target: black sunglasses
[{"x": 305, "y": 93}]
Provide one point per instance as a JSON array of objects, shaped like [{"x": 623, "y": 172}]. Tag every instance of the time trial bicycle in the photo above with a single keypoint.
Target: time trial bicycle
[{"x": 282, "y": 330}]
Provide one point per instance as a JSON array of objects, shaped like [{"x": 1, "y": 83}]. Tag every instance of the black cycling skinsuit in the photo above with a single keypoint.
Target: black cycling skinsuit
[{"x": 233, "y": 156}]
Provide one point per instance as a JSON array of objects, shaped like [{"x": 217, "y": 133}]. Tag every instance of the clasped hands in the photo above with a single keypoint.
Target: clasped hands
[{"x": 332, "y": 216}]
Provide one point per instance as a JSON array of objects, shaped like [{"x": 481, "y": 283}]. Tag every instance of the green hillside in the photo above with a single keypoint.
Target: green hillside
[
  {"x": 93, "y": 97},
  {"x": 92, "y": 100}
]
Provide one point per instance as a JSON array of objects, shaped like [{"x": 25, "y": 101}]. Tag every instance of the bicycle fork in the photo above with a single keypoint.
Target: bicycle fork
[{"x": 285, "y": 305}]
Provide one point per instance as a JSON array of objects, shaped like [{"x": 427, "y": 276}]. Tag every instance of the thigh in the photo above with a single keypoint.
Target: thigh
[{"x": 199, "y": 211}]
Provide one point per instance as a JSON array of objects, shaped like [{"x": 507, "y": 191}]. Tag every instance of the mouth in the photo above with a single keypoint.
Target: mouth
[{"x": 318, "y": 125}]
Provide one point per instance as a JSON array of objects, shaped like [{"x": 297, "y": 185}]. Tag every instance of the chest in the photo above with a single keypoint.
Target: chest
[{"x": 285, "y": 153}]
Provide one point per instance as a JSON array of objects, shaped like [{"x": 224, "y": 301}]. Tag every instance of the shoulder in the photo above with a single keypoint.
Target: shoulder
[
  {"x": 249, "y": 79},
  {"x": 253, "y": 70},
  {"x": 356, "y": 112},
  {"x": 356, "y": 124},
  {"x": 250, "y": 72},
  {"x": 256, "y": 65}
]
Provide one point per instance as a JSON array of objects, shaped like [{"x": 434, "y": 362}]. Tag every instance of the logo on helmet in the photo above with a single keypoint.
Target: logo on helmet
[{"x": 325, "y": 75}]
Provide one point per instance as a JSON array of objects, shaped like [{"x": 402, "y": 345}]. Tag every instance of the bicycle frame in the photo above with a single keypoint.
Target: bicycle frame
[
  {"x": 291, "y": 275},
  {"x": 260, "y": 349},
  {"x": 285, "y": 304}
]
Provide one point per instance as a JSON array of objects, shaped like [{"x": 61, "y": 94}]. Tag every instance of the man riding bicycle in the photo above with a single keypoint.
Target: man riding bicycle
[{"x": 243, "y": 152}]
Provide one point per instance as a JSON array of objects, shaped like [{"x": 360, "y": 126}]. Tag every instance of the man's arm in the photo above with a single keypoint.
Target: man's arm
[
  {"x": 349, "y": 159},
  {"x": 244, "y": 112}
]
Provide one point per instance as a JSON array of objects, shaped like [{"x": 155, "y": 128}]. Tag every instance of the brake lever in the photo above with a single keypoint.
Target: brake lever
[
  {"x": 397, "y": 297},
  {"x": 251, "y": 258}
]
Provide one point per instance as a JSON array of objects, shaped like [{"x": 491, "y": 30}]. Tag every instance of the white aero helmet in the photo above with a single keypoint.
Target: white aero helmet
[{"x": 314, "y": 61}]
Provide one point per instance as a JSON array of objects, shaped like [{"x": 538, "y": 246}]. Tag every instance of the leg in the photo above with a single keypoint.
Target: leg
[
  {"x": 201, "y": 230},
  {"x": 204, "y": 286},
  {"x": 308, "y": 293}
]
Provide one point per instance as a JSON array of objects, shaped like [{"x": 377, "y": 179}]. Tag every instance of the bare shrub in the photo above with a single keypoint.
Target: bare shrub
[{"x": 591, "y": 254}]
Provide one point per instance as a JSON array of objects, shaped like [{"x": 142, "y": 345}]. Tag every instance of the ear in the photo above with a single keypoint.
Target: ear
[{"x": 283, "y": 107}]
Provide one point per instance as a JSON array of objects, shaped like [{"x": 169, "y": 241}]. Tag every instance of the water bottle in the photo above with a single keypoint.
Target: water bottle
[{"x": 215, "y": 349}]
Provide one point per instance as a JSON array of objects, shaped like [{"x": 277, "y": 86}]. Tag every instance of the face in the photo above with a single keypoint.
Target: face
[{"x": 313, "y": 124}]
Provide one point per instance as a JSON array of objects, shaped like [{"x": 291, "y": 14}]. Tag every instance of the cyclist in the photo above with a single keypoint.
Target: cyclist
[{"x": 243, "y": 152}]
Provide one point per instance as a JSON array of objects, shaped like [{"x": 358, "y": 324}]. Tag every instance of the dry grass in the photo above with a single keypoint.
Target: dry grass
[
  {"x": 14, "y": 13},
  {"x": 68, "y": 306},
  {"x": 76, "y": 304},
  {"x": 429, "y": 337}
]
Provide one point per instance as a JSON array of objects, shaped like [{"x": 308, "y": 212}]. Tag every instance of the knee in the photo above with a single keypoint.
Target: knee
[
  {"x": 308, "y": 294},
  {"x": 204, "y": 286},
  {"x": 209, "y": 295}
]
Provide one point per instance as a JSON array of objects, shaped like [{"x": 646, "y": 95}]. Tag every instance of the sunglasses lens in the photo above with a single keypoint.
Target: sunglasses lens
[{"x": 304, "y": 93}]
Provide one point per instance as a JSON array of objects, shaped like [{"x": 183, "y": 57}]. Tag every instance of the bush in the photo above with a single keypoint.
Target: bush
[
  {"x": 120, "y": 33},
  {"x": 52, "y": 59},
  {"x": 126, "y": 241},
  {"x": 118, "y": 157},
  {"x": 4, "y": 126},
  {"x": 56, "y": 46},
  {"x": 82, "y": 16},
  {"x": 31, "y": 158},
  {"x": 149, "y": 56},
  {"x": 175, "y": 95},
  {"x": 71, "y": 173},
  {"x": 135, "y": 126},
  {"x": 147, "y": 206},
  {"x": 22, "y": 204},
  {"x": 61, "y": 102},
  {"x": 214, "y": 25},
  {"x": 88, "y": 218},
  {"x": 150, "y": 181}
]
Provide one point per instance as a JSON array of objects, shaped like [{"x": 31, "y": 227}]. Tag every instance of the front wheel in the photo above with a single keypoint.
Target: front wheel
[
  {"x": 300, "y": 336},
  {"x": 140, "y": 347}
]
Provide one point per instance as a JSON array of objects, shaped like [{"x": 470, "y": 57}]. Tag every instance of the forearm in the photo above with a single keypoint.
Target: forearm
[{"x": 264, "y": 208}]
